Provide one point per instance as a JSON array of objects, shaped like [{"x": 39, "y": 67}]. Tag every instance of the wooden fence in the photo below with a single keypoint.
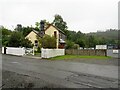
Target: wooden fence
[{"x": 86, "y": 52}]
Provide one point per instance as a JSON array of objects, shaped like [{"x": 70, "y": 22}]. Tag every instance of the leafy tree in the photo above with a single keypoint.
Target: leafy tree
[
  {"x": 69, "y": 44},
  {"x": 26, "y": 30},
  {"x": 5, "y": 34},
  {"x": 26, "y": 43},
  {"x": 17, "y": 40},
  {"x": 47, "y": 42},
  {"x": 81, "y": 42},
  {"x": 91, "y": 41},
  {"x": 37, "y": 24},
  {"x": 109, "y": 36},
  {"x": 60, "y": 23}
]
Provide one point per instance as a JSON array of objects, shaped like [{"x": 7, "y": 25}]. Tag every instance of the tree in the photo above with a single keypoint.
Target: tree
[
  {"x": 60, "y": 23},
  {"x": 17, "y": 40},
  {"x": 47, "y": 42},
  {"x": 26, "y": 43},
  {"x": 81, "y": 42},
  {"x": 37, "y": 24},
  {"x": 69, "y": 44},
  {"x": 91, "y": 41},
  {"x": 26, "y": 30},
  {"x": 5, "y": 34}
]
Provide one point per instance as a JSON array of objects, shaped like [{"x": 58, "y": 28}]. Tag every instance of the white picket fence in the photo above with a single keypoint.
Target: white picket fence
[
  {"x": 48, "y": 53},
  {"x": 14, "y": 51}
]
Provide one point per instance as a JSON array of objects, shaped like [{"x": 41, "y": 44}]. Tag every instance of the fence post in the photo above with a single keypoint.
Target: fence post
[{"x": 33, "y": 51}]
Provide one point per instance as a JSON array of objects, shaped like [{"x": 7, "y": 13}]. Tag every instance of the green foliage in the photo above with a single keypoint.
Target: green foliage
[
  {"x": 17, "y": 40},
  {"x": 109, "y": 36},
  {"x": 60, "y": 23},
  {"x": 5, "y": 34},
  {"x": 26, "y": 43},
  {"x": 37, "y": 24},
  {"x": 47, "y": 42},
  {"x": 26, "y": 30},
  {"x": 92, "y": 39},
  {"x": 38, "y": 50},
  {"x": 69, "y": 44}
]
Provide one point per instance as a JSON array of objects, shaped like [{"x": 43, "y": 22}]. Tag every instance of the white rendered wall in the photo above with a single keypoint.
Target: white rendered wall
[
  {"x": 14, "y": 51},
  {"x": 48, "y": 53},
  {"x": 101, "y": 46}
]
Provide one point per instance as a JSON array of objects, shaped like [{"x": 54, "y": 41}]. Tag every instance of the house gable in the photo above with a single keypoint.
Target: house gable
[
  {"x": 32, "y": 36},
  {"x": 50, "y": 31}
]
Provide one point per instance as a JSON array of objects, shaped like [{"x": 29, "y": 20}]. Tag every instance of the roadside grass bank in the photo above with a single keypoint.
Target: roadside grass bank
[{"x": 65, "y": 57}]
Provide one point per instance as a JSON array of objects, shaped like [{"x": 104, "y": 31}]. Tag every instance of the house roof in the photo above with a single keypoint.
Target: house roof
[{"x": 37, "y": 32}]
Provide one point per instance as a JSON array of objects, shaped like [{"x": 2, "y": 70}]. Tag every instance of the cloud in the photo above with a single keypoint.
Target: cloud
[{"x": 84, "y": 15}]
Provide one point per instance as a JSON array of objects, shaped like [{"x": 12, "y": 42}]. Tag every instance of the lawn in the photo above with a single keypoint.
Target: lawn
[{"x": 65, "y": 57}]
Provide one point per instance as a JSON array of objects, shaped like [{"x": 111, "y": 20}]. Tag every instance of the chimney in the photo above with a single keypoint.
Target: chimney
[
  {"x": 42, "y": 32},
  {"x": 19, "y": 27}
]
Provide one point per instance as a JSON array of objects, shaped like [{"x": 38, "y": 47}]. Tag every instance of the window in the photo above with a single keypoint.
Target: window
[
  {"x": 55, "y": 34},
  {"x": 36, "y": 41}
]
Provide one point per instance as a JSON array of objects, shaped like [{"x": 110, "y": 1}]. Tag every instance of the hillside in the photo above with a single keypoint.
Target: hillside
[{"x": 108, "y": 34}]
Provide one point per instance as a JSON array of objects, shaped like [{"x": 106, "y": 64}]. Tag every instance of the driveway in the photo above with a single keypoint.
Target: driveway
[{"x": 57, "y": 73}]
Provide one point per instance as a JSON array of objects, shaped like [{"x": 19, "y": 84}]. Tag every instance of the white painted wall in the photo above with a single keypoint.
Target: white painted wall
[
  {"x": 14, "y": 51},
  {"x": 48, "y": 53},
  {"x": 101, "y": 46}
]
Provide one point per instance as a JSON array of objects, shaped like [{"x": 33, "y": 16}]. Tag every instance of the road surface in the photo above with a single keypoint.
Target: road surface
[{"x": 34, "y": 73}]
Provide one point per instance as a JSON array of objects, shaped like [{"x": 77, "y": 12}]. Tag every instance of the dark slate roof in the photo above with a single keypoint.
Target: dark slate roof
[{"x": 37, "y": 33}]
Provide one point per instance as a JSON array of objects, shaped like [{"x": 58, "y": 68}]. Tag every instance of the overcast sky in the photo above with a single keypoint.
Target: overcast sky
[{"x": 84, "y": 15}]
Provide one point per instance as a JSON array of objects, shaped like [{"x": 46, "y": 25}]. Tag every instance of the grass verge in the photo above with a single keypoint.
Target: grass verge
[{"x": 65, "y": 57}]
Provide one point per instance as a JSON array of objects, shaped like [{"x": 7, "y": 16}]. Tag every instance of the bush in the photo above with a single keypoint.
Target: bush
[
  {"x": 17, "y": 39},
  {"x": 48, "y": 42},
  {"x": 71, "y": 45}
]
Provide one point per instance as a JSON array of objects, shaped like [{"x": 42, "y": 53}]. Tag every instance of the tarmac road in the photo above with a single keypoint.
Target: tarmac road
[{"x": 34, "y": 73}]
